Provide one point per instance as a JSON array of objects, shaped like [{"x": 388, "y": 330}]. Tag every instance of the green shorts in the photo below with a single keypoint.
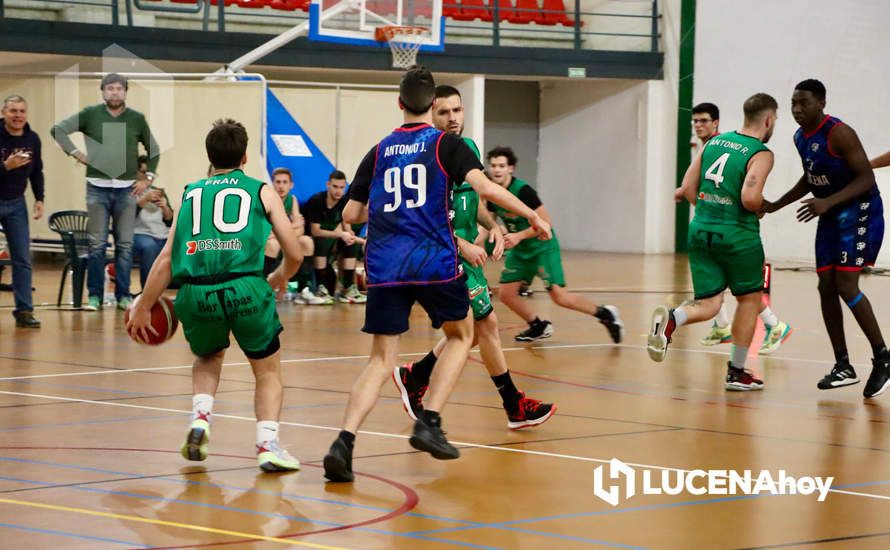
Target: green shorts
[
  {"x": 723, "y": 256},
  {"x": 477, "y": 287},
  {"x": 244, "y": 306},
  {"x": 545, "y": 262}
]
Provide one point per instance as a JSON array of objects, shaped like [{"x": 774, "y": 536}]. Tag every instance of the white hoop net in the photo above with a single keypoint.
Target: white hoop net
[{"x": 404, "y": 43}]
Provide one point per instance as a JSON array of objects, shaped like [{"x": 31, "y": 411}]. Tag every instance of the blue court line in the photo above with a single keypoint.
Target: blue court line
[
  {"x": 72, "y": 535},
  {"x": 418, "y": 534},
  {"x": 246, "y": 511}
]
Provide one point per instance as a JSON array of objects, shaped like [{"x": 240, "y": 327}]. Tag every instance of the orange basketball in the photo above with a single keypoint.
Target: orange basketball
[{"x": 163, "y": 320}]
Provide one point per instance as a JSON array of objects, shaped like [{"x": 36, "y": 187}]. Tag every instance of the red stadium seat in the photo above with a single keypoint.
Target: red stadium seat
[
  {"x": 473, "y": 9},
  {"x": 506, "y": 11},
  {"x": 450, "y": 8},
  {"x": 554, "y": 12},
  {"x": 290, "y": 5},
  {"x": 526, "y": 12},
  {"x": 254, "y": 4}
]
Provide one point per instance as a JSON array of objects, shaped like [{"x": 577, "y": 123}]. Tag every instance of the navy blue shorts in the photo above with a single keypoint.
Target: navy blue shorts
[
  {"x": 389, "y": 307},
  {"x": 851, "y": 238}
]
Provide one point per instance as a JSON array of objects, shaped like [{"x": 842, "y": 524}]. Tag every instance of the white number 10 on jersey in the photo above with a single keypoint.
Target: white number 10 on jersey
[{"x": 413, "y": 177}]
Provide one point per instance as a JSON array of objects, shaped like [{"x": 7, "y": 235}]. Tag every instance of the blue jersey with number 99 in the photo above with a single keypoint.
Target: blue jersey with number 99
[{"x": 410, "y": 238}]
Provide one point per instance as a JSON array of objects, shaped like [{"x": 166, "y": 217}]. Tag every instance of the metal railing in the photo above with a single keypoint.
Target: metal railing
[{"x": 580, "y": 26}]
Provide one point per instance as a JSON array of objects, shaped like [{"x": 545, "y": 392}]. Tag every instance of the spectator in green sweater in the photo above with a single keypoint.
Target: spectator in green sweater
[{"x": 112, "y": 133}]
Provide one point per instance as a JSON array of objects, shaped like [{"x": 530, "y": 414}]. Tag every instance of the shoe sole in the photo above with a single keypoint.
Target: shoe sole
[
  {"x": 705, "y": 342},
  {"x": 839, "y": 384},
  {"x": 195, "y": 448},
  {"x": 271, "y": 466},
  {"x": 531, "y": 423},
  {"x": 548, "y": 332},
  {"x": 403, "y": 392},
  {"x": 422, "y": 444},
  {"x": 657, "y": 343},
  {"x": 335, "y": 470},
  {"x": 734, "y": 386},
  {"x": 880, "y": 391},
  {"x": 778, "y": 345}
]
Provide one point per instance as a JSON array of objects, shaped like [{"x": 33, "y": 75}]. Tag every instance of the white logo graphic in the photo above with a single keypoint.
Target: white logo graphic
[
  {"x": 703, "y": 482},
  {"x": 814, "y": 147}
]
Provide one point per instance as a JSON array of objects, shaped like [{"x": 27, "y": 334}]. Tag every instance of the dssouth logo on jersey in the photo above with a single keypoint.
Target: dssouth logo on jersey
[{"x": 193, "y": 247}]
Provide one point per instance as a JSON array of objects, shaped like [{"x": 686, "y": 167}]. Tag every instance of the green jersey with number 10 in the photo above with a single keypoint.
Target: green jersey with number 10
[
  {"x": 221, "y": 228},
  {"x": 724, "y": 164}
]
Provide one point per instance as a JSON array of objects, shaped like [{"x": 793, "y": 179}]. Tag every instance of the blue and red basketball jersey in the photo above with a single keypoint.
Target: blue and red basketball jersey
[
  {"x": 826, "y": 172},
  {"x": 410, "y": 238}
]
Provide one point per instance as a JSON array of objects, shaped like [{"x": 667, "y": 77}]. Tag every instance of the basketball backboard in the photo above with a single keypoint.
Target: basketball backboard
[{"x": 355, "y": 21}]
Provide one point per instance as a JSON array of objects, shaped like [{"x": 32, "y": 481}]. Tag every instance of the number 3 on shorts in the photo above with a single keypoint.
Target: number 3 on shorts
[{"x": 715, "y": 172}]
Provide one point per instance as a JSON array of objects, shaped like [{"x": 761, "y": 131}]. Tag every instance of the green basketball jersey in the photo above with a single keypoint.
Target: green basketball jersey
[
  {"x": 221, "y": 228},
  {"x": 466, "y": 206},
  {"x": 724, "y": 164},
  {"x": 516, "y": 223}
]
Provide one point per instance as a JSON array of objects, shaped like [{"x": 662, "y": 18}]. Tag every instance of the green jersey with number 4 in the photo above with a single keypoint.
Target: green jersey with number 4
[
  {"x": 724, "y": 164},
  {"x": 221, "y": 228},
  {"x": 466, "y": 206}
]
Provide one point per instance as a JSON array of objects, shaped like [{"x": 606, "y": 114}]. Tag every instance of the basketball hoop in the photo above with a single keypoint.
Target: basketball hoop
[{"x": 404, "y": 43}]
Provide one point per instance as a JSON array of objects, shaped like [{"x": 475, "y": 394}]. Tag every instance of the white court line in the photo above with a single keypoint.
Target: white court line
[
  {"x": 392, "y": 436},
  {"x": 348, "y": 357}
]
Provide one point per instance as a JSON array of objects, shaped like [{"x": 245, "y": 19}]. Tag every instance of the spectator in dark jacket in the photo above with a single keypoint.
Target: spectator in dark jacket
[{"x": 21, "y": 162}]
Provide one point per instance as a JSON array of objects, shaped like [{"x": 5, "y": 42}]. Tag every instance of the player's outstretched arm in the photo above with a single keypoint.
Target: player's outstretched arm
[
  {"x": 493, "y": 192},
  {"x": 157, "y": 282},
  {"x": 759, "y": 167},
  {"x": 281, "y": 227},
  {"x": 794, "y": 194},
  {"x": 880, "y": 161}
]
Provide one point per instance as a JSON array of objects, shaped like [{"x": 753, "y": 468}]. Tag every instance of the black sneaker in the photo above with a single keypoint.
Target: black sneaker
[
  {"x": 528, "y": 412},
  {"x": 879, "y": 379},
  {"x": 338, "y": 462},
  {"x": 741, "y": 379},
  {"x": 25, "y": 319},
  {"x": 525, "y": 291},
  {"x": 431, "y": 439},
  {"x": 609, "y": 317},
  {"x": 840, "y": 375},
  {"x": 411, "y": 391},
  {"x": 535, "y": 331}
]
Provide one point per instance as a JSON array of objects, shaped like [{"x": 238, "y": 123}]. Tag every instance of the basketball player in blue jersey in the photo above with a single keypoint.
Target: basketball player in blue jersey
[
  {"x": 403, "y": 188},
  {"x": 850, "y": 230}
]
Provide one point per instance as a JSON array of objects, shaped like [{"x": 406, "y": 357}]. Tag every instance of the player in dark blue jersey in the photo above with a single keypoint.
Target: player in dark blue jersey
[
  {"x": 850, "y": 230},
  {"x": 403, "y": 189}
]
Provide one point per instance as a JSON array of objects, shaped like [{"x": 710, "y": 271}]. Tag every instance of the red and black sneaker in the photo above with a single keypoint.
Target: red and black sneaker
[
  {"x": 528, "y": 412},
  {"x": 412, "y": 392},
  {"x": 741, "y": 379}
]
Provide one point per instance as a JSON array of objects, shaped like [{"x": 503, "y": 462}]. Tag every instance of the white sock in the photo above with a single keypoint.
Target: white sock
[
  {"x": 202, "y": 406},
  {"x": 768, "y": 317},
  {"x": 266, "y": 430},
  {"x": 722, "y": 318},
  {"x": 680, "y": 316}
]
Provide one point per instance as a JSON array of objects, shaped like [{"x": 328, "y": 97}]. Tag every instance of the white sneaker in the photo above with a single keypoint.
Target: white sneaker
[{"x": 306, "y": 297}]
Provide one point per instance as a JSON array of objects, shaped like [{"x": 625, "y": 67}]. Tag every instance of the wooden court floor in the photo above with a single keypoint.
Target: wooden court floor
[{"x": 91, "y": 426}]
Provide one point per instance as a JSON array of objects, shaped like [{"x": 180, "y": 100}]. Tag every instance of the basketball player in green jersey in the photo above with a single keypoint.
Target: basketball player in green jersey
[
  {"x": 725, "y": 183},
  {"x": 706, "y": 124},
  {"x": 528, "y": 258},
  {"x": 216, "y": 252},
  {"x": 412, "y": 380}
]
